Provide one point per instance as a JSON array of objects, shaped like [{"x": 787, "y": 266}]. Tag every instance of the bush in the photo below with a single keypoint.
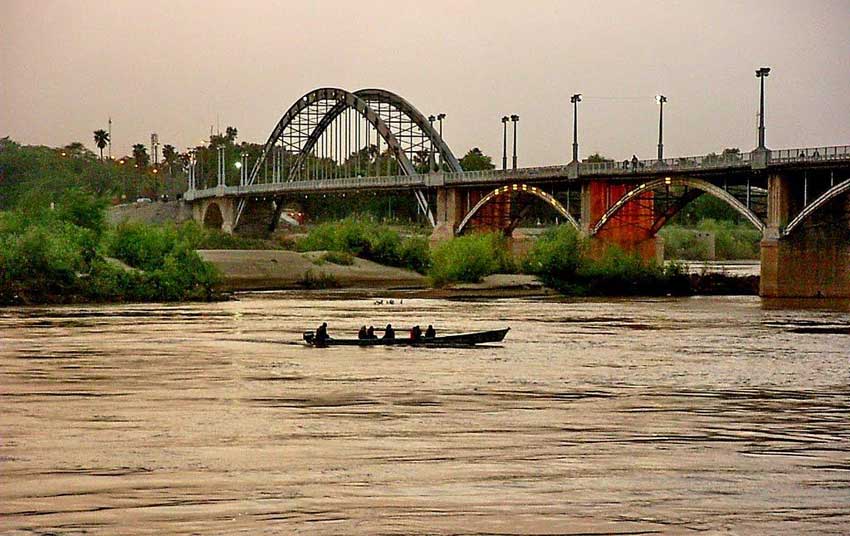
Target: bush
[
  {"x": 369, "y": 241},
  {"x": 556, "y": 255},
  {"x": 732, "y": 241},
  {"x": 337, "y": 257},
  {"x": 470, "y": 258},
  {"x": 317, "y": 282},
  {"x": 415, "y": 253},
  {"x": 561, "y": 259}
]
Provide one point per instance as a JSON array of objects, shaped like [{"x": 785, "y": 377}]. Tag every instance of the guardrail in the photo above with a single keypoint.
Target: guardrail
[
  {"x": 810, "y": 154},
  {"x": 584, "y": 169},
  {"x": 501, "y": 175},
  {"x": 709, "y": 161}
]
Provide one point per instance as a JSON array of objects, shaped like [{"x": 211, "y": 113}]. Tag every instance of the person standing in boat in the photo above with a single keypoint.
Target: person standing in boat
[
  {"x": 370, "y": 333},
  {"x": 415, "y": 333},
  {"x": 322, "y": 332},
  {"x": 430, "y": 333},
  {"x": 389, "y": 332},
  {"x": 362, "y": 333}
]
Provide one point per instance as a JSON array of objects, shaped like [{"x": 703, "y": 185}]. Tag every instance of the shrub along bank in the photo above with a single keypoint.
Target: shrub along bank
[
  {"x": 371, "y": 241},
  {"x": 732, "y": 241},
  {"x": 61, "y": 255},
  {"x": 561, "y": 259}
]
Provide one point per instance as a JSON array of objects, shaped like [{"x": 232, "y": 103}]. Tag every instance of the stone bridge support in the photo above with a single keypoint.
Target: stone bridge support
[
  {"x": 814, "y": 260},
  {"x": 630, "y": 229},
  {"x": 450, "y": 211},
  {"x": 216, "y": 213}
]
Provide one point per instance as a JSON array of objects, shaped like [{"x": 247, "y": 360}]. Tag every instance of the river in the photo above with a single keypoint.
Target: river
[{"x": 638, "y": 416}]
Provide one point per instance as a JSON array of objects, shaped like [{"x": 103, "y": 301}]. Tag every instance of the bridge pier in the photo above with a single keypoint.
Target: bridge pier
[
  {"x": 216, "y": 213},
  {"x": 630, "y": 230},
  {"x": 814, "y": 260},
  {"x": 449, "y": 213}
]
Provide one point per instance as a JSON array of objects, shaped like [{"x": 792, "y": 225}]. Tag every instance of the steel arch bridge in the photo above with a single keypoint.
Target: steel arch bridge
[{"x": 328, "y": 134}]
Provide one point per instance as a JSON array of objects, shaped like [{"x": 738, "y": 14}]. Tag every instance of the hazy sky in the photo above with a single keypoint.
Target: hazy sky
[{"x": 173, "y": 67}]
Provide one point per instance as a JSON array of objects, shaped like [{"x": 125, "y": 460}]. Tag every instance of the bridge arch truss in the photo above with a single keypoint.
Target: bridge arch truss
[
  {"x": 512, "y": 189},
  {"x": 333, "y": 133},
  {"x": 688, "y": 189},
  {"x": 825, "y": 198}
]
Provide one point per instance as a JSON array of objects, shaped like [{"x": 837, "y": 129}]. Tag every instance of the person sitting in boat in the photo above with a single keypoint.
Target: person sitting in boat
[
  {"x": 322, "y": 332},
  {"x": 430, "y": 333},
  {"x": 389, "y": 332},
  {"x": 362, "y": 333},
  {"x": 415, "y": 333},
  {"x": 370, "y": 333}
]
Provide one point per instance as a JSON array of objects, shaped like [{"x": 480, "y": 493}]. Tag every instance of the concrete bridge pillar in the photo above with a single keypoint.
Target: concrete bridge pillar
[
  {"x": 217, "y": 213},
  {"x": 814, "y": 261},
  {"x": 449, "y": 213},
  {"x": 629, "y": 229}
]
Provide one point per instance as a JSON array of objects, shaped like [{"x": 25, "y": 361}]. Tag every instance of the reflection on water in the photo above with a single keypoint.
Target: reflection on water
[{"x": 614, "y": 417}]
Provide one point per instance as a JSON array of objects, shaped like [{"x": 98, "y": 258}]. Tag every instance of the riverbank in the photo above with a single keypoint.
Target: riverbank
[
  {"x": 252, "y": 270},
  {"x": 283, "y": 269}
]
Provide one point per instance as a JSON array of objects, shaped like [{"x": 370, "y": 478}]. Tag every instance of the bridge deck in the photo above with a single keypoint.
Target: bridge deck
[{"x": 637, "y": 170}]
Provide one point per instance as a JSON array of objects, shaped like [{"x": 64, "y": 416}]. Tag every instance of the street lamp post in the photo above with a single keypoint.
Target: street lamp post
[
  {"x": 431, "y": 120},
  {"x": 221, "y": 170},
  {"x": 575, "y": 99},
  {"x": 660, "y": 99},
  {"x": 761, "y": 74},
  {"x": 514, "y": 119},
  {"x": 440, "y": 118},
  {"x": 505, "y": 143}
]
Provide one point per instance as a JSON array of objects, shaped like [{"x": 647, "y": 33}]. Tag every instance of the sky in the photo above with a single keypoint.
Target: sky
[{"x": 176, "y": 67}]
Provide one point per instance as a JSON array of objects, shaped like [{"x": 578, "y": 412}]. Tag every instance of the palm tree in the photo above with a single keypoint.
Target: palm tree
[
  {"x": 140, "y": 155},
  {"x": 169, "y": 155},
  {"x": 101, "y": 139}
]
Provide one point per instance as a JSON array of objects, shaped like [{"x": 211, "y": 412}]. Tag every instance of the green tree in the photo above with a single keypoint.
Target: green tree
[
  {"x": 140, "y": 155},
  {"x": 475, "y": 160},
  {"x": 77, "y": 150},
  {"x": 596, "y": 158},
  {"x": 101, "y": 139},
  {"x": 230, "y": 134}
]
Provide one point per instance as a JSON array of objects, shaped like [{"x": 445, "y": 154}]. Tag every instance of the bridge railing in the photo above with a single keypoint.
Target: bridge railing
[
  {"x": 500, "y": 175},
  {"x": 708, "y": 161},
  {"x": 810, "y": 154}
]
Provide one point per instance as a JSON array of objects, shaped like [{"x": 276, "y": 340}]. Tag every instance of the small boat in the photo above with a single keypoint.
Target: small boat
[{"x": 459, "y": 339}]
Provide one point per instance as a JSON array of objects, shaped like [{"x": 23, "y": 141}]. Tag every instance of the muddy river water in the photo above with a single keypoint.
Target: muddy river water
[{"x": 593, "y": 417}]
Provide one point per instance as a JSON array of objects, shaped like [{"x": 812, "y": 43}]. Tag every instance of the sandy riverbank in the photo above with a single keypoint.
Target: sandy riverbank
[
  {"x": 251, "y": 270},
  {"x": 281, "y": 269}
]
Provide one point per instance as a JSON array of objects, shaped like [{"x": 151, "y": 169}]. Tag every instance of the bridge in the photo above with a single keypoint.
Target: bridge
[{"x": 332, "y": 141}]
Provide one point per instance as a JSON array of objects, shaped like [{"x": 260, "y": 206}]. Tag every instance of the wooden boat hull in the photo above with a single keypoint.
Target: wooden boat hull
[{"x": 459, "y": 339}]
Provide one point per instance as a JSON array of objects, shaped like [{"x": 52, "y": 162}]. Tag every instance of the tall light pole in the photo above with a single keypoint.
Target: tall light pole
[
  {"x": 514, "y": 119},
  {"x": 575, "y": 99},
  {"x": 431, "y": 120},
  {"x": 505, "y": 143},
  {"x": 761, "y": 74},
  {"x": 440, "y": 118},
  {"x": 660, "y": 99}
]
